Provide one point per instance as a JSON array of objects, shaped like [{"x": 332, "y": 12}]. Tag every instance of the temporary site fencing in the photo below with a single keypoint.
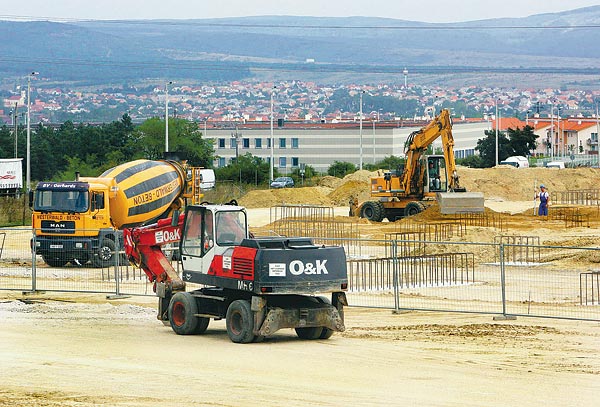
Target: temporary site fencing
[{"x": 511, "y": 276}]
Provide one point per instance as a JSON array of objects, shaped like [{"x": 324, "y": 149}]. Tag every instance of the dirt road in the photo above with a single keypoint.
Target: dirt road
[{"x": 76, "y": 353}]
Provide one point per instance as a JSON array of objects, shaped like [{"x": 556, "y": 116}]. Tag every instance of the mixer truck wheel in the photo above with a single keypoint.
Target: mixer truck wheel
[
  {"x": 182, "y": 315},
  {"x": 240, "y": 322},
  {"x": 105, "y": 253}
]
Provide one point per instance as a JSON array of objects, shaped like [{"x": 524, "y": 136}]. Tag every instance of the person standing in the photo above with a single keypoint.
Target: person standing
[{"x": 544, "y": 201}]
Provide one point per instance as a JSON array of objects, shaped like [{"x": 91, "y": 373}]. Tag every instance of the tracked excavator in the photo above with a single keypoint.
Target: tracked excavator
[{"x": 424, "y": 180}]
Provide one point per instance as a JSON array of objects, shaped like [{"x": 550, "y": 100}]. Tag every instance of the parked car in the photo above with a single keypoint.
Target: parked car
[
  {"x": 555, "y": 164},
  {"x": 282, "y": 182},
  {"x": 517, "y": 161}
]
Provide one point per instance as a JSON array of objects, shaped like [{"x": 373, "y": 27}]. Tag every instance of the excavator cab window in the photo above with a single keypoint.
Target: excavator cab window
[
  {"x": 198, "y": 235},
  {"x": 436, "y": 173},
  {"x": 231, "y": 227}
]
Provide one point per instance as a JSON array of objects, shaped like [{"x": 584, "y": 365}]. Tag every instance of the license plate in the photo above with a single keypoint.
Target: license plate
[{"x": 56, "y": 246}]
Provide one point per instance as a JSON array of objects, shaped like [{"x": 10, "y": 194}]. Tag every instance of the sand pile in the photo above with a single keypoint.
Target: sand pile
[
  {"x": 286, "y": 196},
  {"x": 517, "y": 184},
  {"x": 503, "y": 183}
]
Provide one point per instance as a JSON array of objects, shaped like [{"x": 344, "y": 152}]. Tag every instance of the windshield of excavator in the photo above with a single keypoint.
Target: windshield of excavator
[
  {"x": 58, "y": 197},
  {"x": 230, "y": 227}
]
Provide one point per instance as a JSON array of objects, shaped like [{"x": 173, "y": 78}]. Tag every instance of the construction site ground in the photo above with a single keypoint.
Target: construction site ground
[{"x": 66, "y": 349}]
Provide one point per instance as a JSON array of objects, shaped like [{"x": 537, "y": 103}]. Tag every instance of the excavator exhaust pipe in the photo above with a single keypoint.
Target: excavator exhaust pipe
[{"x": 451, "y": 203}]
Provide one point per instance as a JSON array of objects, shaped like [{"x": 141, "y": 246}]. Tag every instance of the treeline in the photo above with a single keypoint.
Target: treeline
[{"x": 57, "y": 153}]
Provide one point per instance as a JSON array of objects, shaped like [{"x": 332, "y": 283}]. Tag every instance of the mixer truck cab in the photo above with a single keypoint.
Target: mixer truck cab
[
  {"x": 70, "y": 220},
  {"x": 82, "y": 220}
]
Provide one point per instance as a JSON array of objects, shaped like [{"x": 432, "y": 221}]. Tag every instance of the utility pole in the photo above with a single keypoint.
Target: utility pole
[
  {"x": 29, "y": 129},
  {"x": 167, "y": 115},
  {"x": 361, "y": 132},
  {"x": 16, "y": 126},
  {"x": 272, "y": 158}
]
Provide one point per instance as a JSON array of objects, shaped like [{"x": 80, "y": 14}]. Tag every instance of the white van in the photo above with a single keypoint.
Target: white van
[
  {"x": 517, "y": 161},
  {"x": 555, "y": 164},
  {"x": 207, "y": 180}
]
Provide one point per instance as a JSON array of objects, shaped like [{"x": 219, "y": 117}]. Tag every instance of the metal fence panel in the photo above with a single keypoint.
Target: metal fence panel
[
  {"x": 501, "y": 278},
  {"x": 15, "y": 259},
  {"x": 561, "y": 285}
]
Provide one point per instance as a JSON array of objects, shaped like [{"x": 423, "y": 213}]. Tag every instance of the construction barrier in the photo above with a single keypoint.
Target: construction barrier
[{"x": 511, "y": 276}]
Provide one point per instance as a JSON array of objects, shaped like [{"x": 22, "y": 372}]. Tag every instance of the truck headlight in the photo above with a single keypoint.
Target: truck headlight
[{"x": 79, "y": 245}]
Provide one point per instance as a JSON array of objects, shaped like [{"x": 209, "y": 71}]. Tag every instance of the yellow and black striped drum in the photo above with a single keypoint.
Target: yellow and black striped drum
[{"x": 144, "y": 190}]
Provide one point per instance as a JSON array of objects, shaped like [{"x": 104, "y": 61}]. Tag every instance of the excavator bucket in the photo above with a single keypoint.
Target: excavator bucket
[{"x": 460, "y": 202}]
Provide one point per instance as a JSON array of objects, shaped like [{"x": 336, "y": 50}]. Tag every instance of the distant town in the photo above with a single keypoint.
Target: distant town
[{"x": 243, "y": 102}]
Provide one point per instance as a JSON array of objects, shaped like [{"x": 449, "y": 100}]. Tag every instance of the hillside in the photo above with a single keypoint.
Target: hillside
[{"x": 226, "y": 49}]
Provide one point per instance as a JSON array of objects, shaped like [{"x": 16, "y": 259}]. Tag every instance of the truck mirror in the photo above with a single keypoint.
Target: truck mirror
[{"x": 31, "y": 199}]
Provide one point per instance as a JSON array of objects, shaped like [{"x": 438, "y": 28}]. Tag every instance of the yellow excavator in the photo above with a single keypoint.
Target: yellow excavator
[{"x": 424, "y": 180}]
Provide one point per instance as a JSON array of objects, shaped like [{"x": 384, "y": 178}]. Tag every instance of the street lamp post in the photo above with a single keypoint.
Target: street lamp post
[
  {"x": 29, "y": 129},
  {"x": 272, "y": 158},
  {"x": 597, "y": 134},
  {"x": 16, "y": 126},
  {"x": 167, "y": 115},
  {"x": 360, "y": 167},
  {"x": 497, "y": 125}
]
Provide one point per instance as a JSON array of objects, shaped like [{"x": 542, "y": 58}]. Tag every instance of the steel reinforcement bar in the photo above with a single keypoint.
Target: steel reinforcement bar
[{"x": 437, "y": 270}]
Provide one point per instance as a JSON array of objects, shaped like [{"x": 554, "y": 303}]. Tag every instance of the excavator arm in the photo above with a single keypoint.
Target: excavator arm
[
  {"x": 143, "y": 248},
  {"x": 418, "y": 142}
]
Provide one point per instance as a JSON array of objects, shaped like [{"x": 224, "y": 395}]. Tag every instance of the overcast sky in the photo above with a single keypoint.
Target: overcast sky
[{"x": 428, "y": 10}]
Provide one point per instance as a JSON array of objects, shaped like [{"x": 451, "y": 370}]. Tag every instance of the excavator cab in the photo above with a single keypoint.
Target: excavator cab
[
  {"x": 209, "y": 231},
  {"x": 436, "y": 174}
]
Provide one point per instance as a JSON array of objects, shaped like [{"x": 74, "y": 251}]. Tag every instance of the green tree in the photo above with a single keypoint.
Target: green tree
[
  {"x": 184, "y": 137},
  {"x": 473, "y": 161},
  {"x": 341, "y": 169},
  {"x": 247, "y": 169},
  {"x": 522, "y": 141},
  {"x": 487, "y": 148}
]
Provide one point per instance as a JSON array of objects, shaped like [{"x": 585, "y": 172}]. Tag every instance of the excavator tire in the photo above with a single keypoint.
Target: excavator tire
[
  {"x": 240, "y": 322},
  {"x": 373, "y": 211},
  {"x": 310, "y": 332},
  {"x": 327, "y": 333},
  {"x": 413, "y": 208},
  {"x": 182, "y": 314}
]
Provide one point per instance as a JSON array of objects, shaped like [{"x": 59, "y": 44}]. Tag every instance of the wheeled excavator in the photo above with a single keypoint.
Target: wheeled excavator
[
  {"x": 258, "y": 285},
  {"x": 424, "y": 180}
]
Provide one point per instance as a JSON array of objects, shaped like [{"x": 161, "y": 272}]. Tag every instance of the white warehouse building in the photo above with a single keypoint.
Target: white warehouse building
[{"x": 320, "y": 144}]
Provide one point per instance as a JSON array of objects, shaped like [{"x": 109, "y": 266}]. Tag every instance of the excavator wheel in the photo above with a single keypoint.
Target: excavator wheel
[
  {"x": 413, "y": 208},
  {"x": 182, "y": 315},
  {"x": 240, "y": 322},
  {"x": 314, "y": 332},
  {"x": 373, "y": 211}
]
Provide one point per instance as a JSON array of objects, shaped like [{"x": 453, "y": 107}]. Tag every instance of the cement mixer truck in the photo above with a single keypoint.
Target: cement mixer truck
[{"x": 80, "y": 221}]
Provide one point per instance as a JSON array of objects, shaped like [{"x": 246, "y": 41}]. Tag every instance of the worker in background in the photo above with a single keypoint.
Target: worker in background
[{"x": 544, "y": 200}]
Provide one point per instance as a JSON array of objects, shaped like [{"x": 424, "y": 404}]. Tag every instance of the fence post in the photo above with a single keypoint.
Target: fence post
[
  {"x": 33, "y": 263},
  {"x": 118, "y": 249},
  {"x": 396, "y": 279},
  {"x": 504, "y": 317}
]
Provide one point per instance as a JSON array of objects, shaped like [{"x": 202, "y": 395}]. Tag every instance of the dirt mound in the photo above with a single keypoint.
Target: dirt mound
[
  {"x": 330, "y": 182},
  {"x": 503, "y": 183},
  {"x": 517, "y": 184},
  {"x": 288, "y": 196}
]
